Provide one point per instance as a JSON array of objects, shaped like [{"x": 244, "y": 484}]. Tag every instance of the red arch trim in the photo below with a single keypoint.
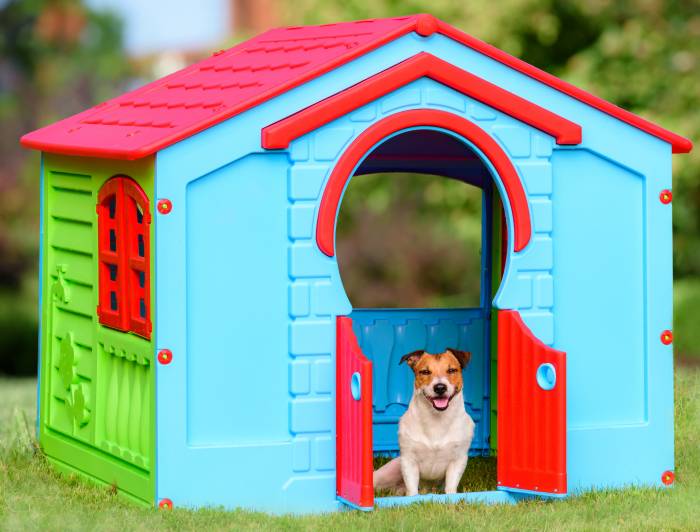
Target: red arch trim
[{"x": 325, "y": 228}]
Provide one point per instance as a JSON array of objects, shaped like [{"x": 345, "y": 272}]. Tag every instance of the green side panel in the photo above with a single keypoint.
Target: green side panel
[
  {"x": 97, "y": 391},
  {"x": 496, "y": 254}
]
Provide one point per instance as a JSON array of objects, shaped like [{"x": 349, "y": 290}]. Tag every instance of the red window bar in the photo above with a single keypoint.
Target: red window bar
[{"x": 124, "y": 256}]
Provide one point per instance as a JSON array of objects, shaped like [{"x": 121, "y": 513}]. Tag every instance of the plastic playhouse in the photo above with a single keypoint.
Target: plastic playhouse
[{"x": 198, "y": 347}]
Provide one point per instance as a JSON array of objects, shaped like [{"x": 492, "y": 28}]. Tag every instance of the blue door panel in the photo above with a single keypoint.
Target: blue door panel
[{"x": 386, "y": 335}]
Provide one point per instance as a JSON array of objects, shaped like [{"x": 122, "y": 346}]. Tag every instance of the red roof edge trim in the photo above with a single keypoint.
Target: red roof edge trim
[
  {"x": 678, "y": 143},
  {"x": 280, "y": 134},
  {"x": 27, "y": 141},
  {"x": 370, "y": 137}
]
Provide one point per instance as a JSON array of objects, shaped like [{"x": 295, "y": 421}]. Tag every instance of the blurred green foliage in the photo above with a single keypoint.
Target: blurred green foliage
[
  {"x": 58, "y": 57},
  {"x": 686, "y": 336}
]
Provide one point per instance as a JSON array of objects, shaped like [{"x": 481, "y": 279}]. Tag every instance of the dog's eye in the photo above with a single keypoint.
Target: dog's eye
[
  {"x": 425, "y": 372},
  {"x": 452, "y": 370}
]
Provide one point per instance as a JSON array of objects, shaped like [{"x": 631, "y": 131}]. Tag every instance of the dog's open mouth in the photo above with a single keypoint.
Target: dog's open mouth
[{"x": 440, "y": 403}]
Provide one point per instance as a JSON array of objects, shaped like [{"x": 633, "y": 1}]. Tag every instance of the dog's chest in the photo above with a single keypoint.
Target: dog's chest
[
  {"x": 434, "y": 444},
  {"x": 434, "y": 459}
]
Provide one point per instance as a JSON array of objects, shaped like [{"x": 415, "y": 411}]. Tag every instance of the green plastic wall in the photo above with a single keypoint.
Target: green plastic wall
[{"x": 97, "y": 385}]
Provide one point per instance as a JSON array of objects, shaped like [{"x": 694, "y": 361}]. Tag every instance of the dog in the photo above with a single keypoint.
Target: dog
[{"x": 435, "y": 432}]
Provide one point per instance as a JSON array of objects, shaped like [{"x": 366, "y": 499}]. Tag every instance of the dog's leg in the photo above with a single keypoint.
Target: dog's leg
[
  {"x": 411, "y": 475},
  {"x": 389, "y": 475},
  {"x": 453, "y": 475}
]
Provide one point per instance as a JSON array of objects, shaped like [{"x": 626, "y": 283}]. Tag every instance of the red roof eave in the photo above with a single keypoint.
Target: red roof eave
[
  {"x": 281, "y": 133},
  {"x": 679, "y": 144}
]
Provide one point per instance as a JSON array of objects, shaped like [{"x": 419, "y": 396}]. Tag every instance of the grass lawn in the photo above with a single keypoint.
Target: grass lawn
[{"x": 33, "y": 497}]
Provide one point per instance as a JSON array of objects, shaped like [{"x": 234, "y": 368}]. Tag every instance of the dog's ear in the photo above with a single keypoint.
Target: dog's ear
[
  {"x": 412, "y": 358},
  {"x": 463, "y": 357}
]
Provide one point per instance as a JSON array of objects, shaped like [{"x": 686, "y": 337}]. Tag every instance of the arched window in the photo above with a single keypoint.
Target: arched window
[{"x": 124, "y": 256}]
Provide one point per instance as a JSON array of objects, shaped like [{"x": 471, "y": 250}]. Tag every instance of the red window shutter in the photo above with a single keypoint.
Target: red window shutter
[
  {"x": 112, "y": 289},
  {"x": 138, "y": 220},
  {"x": 124, "y": 256}
]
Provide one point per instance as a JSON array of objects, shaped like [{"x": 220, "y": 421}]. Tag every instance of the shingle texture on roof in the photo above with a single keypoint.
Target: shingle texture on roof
[{"x": 229, "y": 82}]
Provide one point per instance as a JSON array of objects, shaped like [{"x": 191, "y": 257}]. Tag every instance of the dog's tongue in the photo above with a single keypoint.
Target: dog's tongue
[{"x": 440, "y": 402}]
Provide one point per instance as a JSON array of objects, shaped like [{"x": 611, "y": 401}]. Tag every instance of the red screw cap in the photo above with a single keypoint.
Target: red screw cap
[
  {"x": 165, "y": 356},
  {"x": 165, "y": 206},
  {"x": 165, "y": 504},
  {"x": 668, "y": 477},
  {"x": 666, "y": 196},
  {"x": 666, "y": 337}
]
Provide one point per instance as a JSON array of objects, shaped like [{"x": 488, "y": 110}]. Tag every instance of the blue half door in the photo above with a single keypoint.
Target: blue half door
[{"x": 386, "y": 335}]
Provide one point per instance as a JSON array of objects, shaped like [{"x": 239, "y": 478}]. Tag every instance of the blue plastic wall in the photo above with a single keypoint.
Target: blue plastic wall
[
  {"x": 613, "y": 294},
  {"x": 247, "y": 302}
]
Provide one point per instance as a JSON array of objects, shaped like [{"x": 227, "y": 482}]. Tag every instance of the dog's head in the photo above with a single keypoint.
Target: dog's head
[{"x": 438, "y": 377}]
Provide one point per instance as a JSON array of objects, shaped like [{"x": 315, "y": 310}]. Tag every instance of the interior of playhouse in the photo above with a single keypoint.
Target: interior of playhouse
[{"x": 386, "y": 334}]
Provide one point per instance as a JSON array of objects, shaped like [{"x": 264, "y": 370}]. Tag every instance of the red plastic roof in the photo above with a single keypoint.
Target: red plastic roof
[{"x": 175, "y": 107}]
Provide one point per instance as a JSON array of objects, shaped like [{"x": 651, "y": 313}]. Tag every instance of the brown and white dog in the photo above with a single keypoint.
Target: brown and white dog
[{"x": 435, "y": 432}]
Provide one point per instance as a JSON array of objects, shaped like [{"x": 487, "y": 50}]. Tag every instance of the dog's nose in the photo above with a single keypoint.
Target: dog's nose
[{"x": 440, "y": 388}]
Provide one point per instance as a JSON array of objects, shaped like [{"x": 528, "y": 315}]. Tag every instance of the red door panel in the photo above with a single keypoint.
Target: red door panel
[
  {"x": 353, "y": 420},
  {"x": 531, "y": 410}
]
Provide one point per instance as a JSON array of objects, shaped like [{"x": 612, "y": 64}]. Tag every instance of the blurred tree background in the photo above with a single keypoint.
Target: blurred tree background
[{"x": 58, "y": 57}]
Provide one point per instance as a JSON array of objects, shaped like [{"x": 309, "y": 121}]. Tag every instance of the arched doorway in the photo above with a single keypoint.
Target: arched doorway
[
  {"x": 384, "y": 335},
  {"x": 407, "y": 237}
]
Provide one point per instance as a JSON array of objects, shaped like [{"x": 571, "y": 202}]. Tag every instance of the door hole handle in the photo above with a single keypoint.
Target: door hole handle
[
  {"x": 546, "y": 376},
  {"x": 356, "y": 386}
]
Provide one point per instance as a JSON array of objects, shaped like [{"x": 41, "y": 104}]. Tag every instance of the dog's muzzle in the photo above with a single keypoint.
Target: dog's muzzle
[{"x": 440, "y": 402}]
